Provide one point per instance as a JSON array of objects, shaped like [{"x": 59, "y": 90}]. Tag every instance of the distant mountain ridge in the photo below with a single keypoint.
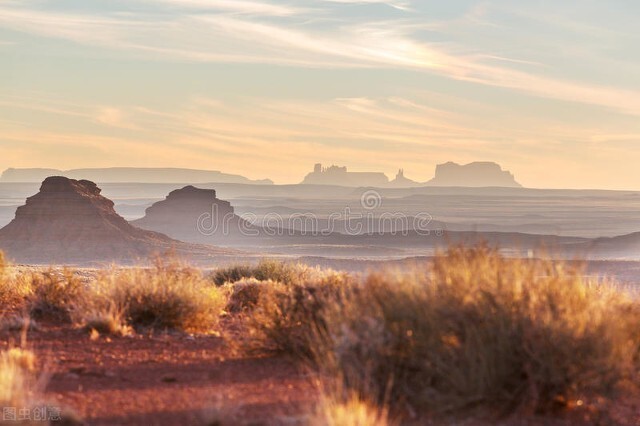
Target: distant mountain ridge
[
  {"x": 473, "y": 175},
  {"x": 129, "y": 174}
]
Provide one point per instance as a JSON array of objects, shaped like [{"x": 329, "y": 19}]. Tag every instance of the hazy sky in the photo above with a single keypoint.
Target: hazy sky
[{"x": 549, "y": 89}]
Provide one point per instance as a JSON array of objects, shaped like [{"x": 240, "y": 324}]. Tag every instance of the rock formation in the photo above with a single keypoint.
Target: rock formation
[
  {"x": 402, "y": 182},
  {"x": 340, "y": 176},
  {"x": 195, "y": 215},
  {"x": 68, "y": 221},
  {"x": 478, "y": 174}
]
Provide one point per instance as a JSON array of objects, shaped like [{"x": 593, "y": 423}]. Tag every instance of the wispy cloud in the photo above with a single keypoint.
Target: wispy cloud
[
  {"x": 240, "y": 32},
  {"x": 397, "y": 4},
  {"x": 234, "y": 6}
]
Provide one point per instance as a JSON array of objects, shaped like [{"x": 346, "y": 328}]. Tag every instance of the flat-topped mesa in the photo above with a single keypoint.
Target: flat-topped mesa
[
  {"x": 191, "y": 197},
  {"x": 192, "y": 214},
  {"x": 477, "y": 174},
  {"x": 55, "y": 184},
  {"x": 191, "y": 192},
  {"x": 76, "y": 204},
  {"x": 66, "y": 198},
  {"x": 70, "y": 221}
]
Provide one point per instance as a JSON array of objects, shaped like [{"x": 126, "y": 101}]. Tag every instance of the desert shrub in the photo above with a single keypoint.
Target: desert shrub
[
  {"x": 286, "y": 316},
  {"x": 14, "y": 288},
  {"x": 54, "y": 294},
  {"x": 266, "y": 270},
  {"x": 232, "y": 274},
  {"x": 477, "y": 329},
  {"x": 244, "y": 294},
  {"x": 164, "y": 297}
]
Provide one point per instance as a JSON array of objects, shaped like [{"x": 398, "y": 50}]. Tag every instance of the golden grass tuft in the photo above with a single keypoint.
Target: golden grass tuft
[
  {"x": 105, "y": 319},
  {"x": 266, "y": 270},
  {"x": 19, "y": 386},
  {"x": 23, "y": 358},
  {"x": 168, "y": 296},
  {"x": 14, "y": 289},
  {"x": 337, "y": 409}
]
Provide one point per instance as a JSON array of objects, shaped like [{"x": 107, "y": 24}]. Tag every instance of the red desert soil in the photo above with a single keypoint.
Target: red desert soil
[
  {"x": 176, "y": 379},
  {"x": 168, "y": 379}
]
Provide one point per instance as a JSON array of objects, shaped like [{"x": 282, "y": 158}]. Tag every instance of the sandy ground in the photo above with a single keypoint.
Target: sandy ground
[{"x": 168, "y": 379}]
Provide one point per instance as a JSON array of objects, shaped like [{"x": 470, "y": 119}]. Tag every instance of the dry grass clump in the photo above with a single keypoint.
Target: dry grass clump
[
  {"x": 13, "y": 289},
  {"x": 481, "y": 330},
  {"x": 286, "y": 315},
  {"x": 22, "y": 388},
  {"x": 54, "y": 295},
  {"x": 165, "y": 297},
  {"x": 105, "y": 318},
  {"x": 266, "y": 270},
  {"x": 50, "y": 295},
  {"x": 350, "y": 411},
  {"x": 245, "y": 294},
  {"x": 19, "y": 386}
]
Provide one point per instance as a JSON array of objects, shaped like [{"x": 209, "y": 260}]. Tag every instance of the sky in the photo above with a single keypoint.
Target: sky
[{"x": 550, "y": 90}]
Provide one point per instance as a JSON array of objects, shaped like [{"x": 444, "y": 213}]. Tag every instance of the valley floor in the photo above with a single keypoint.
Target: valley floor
[{"x": 167, "y": 379}]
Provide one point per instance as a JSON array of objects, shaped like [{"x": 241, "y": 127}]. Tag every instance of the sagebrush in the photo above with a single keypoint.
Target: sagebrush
[{"x": 472, "y": 329}]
